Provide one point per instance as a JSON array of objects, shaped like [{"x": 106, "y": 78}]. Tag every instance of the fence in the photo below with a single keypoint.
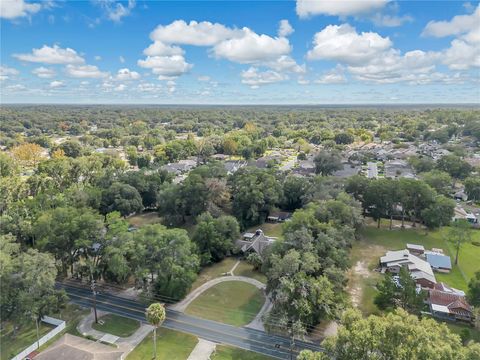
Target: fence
[{"x": 59, "y": 326}]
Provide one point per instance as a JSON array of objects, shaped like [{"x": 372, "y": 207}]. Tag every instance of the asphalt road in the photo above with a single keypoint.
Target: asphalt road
[{"x": 245, "y": 338}]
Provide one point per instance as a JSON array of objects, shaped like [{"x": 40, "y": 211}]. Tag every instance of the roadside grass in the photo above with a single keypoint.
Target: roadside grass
[
  {"x": 213, "y": 271},
  {"x": 233, "y": 302},
  {"x": 117, "y": 325},
  {"x": 11, "y": 345},
  {"x": 146, "y": 218},
  {"x": 223, "y": 352},
  {"x": 245, "y": 269},
  {"x": 171, "y": 345},
  {"x": 269, "y": 229}
]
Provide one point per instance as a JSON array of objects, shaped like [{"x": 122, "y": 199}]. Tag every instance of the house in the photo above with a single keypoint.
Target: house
[
  {"x": 255, "y": 242},
  {"x": 232, "y": 166},
  {"x": 372, "y": 170},
  {"x": 445, "y": 288},
  {"x": 181, "y": 166},
  {"x": 438, "y": 262},
  {"x": 398, "y": 168},
  {"x": 279, "y": 216},
  {"x": 461, "y": 214},
  {"x": 419, "y": 269},
  {"x": 460, "y": 196},
  {"x": 415, "y": 249},
  {"x": 449, "y": 306},
  {"x": 76, "y": 348},
  {"x": 347, "y": 170}
]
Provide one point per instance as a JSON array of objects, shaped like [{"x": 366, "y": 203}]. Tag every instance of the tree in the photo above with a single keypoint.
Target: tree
[
  {"x": 473, "y": 294},
  {"x": 440, "y": 213},
  {"x": 459, "y": 234},
  {"x": 71, "y": 148},
  {"x": 121, "y": 197},
  {"x": 415, "y": 196},
  {"x": 455, "y": 166},
  {"x": 155, "y": 316},
  {"x": 28, "y": 153},
  {"x": 421, "y": 164},
  {"x": 255, "y": 260},
  {"x": 397, "y": 335},
  {"x": 438, "y": 180},
  {"x": 294, "y": 188},
  {"x": 215, "y": 237},
  {"x": 327, "y": 162},
  {"x": 472, "y": 188},
  {"x": 7, "y": 165},
  {"x": 344, "y": 138}
]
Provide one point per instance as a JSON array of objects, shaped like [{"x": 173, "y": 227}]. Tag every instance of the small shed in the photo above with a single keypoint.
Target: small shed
[
  {"x": 438, "y": 262},
  {"x": 415, "y": 249}
]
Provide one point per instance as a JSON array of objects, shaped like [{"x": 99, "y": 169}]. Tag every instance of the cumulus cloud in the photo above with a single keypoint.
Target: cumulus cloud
[
  {"x": 126, "y": 74},
  {"x": 149, "y": 87},
  {"x": 43, "y": 72},
  {"x": 390, "y": 20},
  {"x": 334, "y": 76},
  {"x": 12, "y": 9},
  {"x": 85, "y": 71},
  {"x": 343, "y": 43},
  {"x": 166, "y": 66},
  {"x": 307, "y": 8},
  {"x": 195, "y": 33},
  {"x": 285, "y": 63},
  {"x": 255, "y": 78},
  {"x": 115, "y": 10},
  {"x": 51, "y": 55},
  {"x": 459, "y": 24},
  {"x": 285, "y": 28},
  {"x": 6, "y": 72},
  {"x": 158, "y": 48},
  {"x": 120, "y": 87},
  {"x": 252, "y": 48},
  {"x": 56, "y": 84}
]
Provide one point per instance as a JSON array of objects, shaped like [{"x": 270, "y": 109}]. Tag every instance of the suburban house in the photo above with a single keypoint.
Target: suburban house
[
  {"x": 419, "y": 269},
  {"x": 448, "y": 289},
  {"x": 255, "y": 242},
  {"x": 372, "y": 170},
  {"x": 416, "y": 249},
  {"x": 76, "y": 348},
  {"x": 279, "y": 216},
  {"x": 449, "y": 306},
  {"x": 398, "y": 168},
  {"x": 439, "y": 262},
  {"x": 461, "y": 214}
]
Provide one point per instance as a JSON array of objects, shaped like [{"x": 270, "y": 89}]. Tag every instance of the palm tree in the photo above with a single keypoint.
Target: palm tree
[{"x": 155, "y": 315}]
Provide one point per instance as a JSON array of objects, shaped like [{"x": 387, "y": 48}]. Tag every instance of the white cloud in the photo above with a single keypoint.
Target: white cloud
[
  {"x": 43, "y": 72},
  {"x": 121, "y": 59},
  {"x": 334, "y": 76},
  {"x": 390, "y": 20},
  {"x": 252, "y": 48},
  {"x": 120, "y": 87},
  {"x": 98, "y": 58},
  {"x": 84, "y": 71},
  {"x": 11, "y": 9},
  {"x": 343, "y": 43},
  {"x": 160, "y": 49},
  {"x": 115, "y": 11},
  {"x": 285, "y": 28},
  {"x": 459, "y": 24},
  {"x": 286, "y": 64},
  {"x": 126, "y": 74},
  {"x": 462, "y": 55},
  {"x": 149, "y": 87},
  {"x": 51, "y": 55},
  {"x": 168, "y": 66},
  {"x": 203, "y": 78},
  {"x": 56, "y": 84},
  {"x": 307, "y": 8},
  {"x": 195, "y": 33},
  {"x": 6, "y": 72},
  {"x": 255, "y": 78}
]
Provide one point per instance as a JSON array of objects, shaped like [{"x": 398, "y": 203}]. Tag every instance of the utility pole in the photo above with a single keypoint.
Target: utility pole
[{"x": 92, "y": 286}]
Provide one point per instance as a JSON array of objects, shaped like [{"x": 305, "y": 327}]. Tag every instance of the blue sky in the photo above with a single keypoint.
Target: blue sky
[{"x": 240, "y": 52}]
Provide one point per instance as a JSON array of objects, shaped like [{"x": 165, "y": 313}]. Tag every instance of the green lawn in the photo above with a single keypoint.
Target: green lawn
[
  {"x": 11, "y": 345},
  {"x": 269, "y": 229},
  {"x": 245, "y": 269},
  {"x": 458, "y": 328},
  {"x": 171, "y": 345},
  {"x": 213, "y": 271},
  {"x": 229, "y": 353},
  {"x": 233, "y": 302},
  {"x": 375, "y": 242},
  {"x": 116, "y": 325}
]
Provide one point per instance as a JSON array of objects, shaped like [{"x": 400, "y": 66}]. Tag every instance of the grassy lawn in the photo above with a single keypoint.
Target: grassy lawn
[
  {"x": 269, "y": 229},
  {"x": 143, "y": 219},
  {"x": 213, "y": 271},
  {"x": 375, "y": 242},
  {"x": 229, "y": 353},
  {"x": 116, "y": 325},
  {"x": 11, "y": 345},
  {"x": 234, "y": 302},
  {"x": 171, "y": 345},
  {"x": 245, "y": 269}
]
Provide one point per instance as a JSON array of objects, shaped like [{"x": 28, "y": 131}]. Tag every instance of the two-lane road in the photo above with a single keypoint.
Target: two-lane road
[{"x": 245, "y": 338}]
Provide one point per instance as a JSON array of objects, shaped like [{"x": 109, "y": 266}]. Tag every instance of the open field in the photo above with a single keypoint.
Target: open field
[
  {"x": 171, "y": 345},
  {"x": 223, "y": 352},
  {"x": 213, "y": 271},
  {"x": 116, "y": 325},
  {"x": 269, "y": 229},
  {"x": 146, "y": 218},
  {"x": 234, "y": 302}
]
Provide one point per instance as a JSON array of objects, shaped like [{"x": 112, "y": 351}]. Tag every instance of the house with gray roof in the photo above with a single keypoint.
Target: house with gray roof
[
  {"x": 438, "y": 262},
  {"x": 255, "y": 242}
]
